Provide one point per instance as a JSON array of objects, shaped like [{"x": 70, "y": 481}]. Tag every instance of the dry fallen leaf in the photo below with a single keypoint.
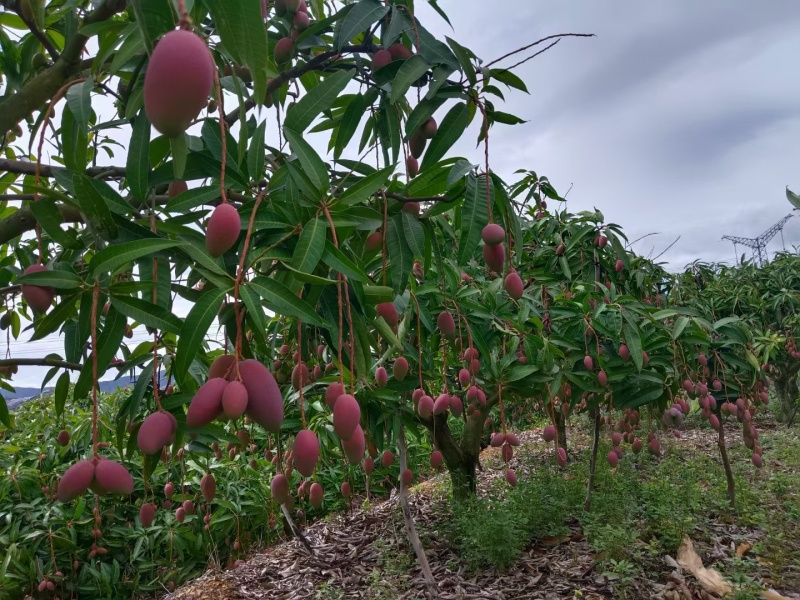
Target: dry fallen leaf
[
  {"x": 743, "y": 549},
  {"x": 709, "y": 579}
]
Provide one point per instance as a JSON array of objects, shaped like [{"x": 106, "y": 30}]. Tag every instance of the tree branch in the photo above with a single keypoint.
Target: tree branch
[
  {"x": 39, "y": 362},
  {"x": 23, "y": 220},
  {"x": 295, "y": 72},
  {"x": 536, "y": 43},
  {"x": 39, "y": 35},
  {"x": 406, "y": 199},
  {"x": 15, "y": 107},
  {"x": 24, "y": 167}
]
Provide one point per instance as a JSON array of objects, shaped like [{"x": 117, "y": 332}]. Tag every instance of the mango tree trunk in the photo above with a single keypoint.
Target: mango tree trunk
[
  {"x": 787, "y": 393},
  {"x": 460, "y": 456}
]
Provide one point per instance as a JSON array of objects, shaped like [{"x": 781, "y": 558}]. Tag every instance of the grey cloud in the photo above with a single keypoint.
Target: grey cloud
[{"x": 679, "y": 117}]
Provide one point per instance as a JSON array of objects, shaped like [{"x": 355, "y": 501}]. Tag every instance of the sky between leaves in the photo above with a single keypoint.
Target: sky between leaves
[{"x": 678, "y": 118}]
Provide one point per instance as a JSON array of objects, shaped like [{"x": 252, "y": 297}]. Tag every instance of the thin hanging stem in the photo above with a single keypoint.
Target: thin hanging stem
[
  {"x": 241, "y": 270},
  {"x": 339, "y": 285},
  {"x": 156, "y": 395},
  {"x": 301, "y": 381},
  {"x": 37, "y": 176},
  {"x": 185, "y": 21},
  {"x": 95, "y": 300},
  {"x": 482, "y": 108},
  {"x": 223, "y": 136}
]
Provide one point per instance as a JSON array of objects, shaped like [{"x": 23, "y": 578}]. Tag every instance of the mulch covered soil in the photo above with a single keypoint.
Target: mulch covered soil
[{"x": 365, "y": 554}]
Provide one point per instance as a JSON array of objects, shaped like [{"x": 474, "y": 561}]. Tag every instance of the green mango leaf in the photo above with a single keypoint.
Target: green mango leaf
[
  {"x": 313, "y": 166},
  {"x": 400, "y": 256},
  {"x": 348, "y": 124},
  {"x": 80, "y": 102},
  {"x": 256, "y": 167},
  {"x": 310, "y": 246},
  {"x": 147, "y": 313},
  {"x": 634, "y": 342},
  {"x": 61, "y": 280},
  {"x": 412, "y": 69},
  {"x": 154, "y": 18},
  {"x": 318, "y": 99},
  {"x": 364, "y": 189},
  {"x": 109, "y": 259},
  {"x": 415, "y": 234},
  {"x": 190, "y": 199},
  {"x": 244, "y": 36},
  {"x": 50, "y": 322},
  {"x": 474, "y": 217},
  {"x": 60, "y": 393},
  {"x": 94, "y": 206},
  {"x": 338, "y": 261},
  {"x": 193, "y": 333},
  {"x": 360, "y": 18},
  {"x": 108, "y": 343},
  {"x": 137, "y": 170},
  {"x": 74, "y": 141},
  {"x": 284, "y": 302},
  {"x": 450, "y": 130},
  {"x": 49, "y": 217},
  {"x": 464, "y": 57}
]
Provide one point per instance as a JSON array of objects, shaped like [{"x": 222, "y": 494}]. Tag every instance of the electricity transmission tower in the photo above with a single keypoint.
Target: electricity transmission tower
[{"x": 759, "y": 244}]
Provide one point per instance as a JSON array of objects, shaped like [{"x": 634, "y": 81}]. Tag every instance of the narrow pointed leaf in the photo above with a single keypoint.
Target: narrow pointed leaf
[
  {"x": 313, "y": 166},
  {"x": 147, "y": 313},
  {"x": 318, "y": 99},
  {"x": 193, "y": 332},
  {"x": 112, "y": 257},
  {"x": 284, "y": 302},
  {"x": 450, "y": 130}
]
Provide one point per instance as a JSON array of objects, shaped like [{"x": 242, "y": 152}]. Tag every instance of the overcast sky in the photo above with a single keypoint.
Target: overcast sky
[{"x": 679, "y": 118}]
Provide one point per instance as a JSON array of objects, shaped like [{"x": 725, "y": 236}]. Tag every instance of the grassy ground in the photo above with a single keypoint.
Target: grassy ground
[
  {"x": 641, "y": 511},
  {"x": 536, "y": 540}
]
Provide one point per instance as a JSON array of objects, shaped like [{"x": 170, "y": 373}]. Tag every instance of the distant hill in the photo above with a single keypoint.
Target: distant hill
[{"x": 22, "y": 394}]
